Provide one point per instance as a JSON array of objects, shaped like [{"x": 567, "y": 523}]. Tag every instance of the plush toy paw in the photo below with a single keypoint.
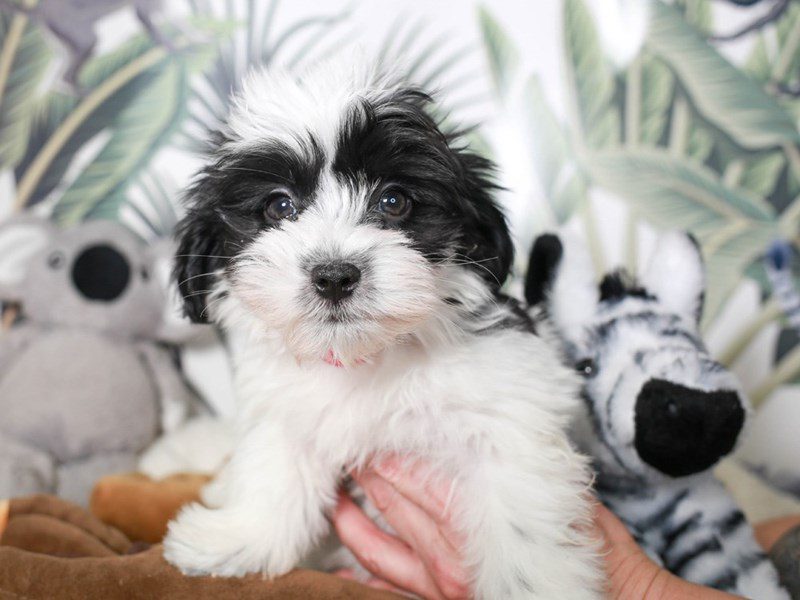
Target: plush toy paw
[
  {"x": 141, "y": 507},
  {"x": 203, "y": 541}
]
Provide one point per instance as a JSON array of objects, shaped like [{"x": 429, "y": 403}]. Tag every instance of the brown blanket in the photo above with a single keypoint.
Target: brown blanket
[{"x": 51, "y": 549}]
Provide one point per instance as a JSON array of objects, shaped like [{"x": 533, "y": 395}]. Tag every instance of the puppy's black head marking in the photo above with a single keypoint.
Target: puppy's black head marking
[
  {"x": 394, "y": 140},
  {"x": 386, "y": 142},
  {"x": 226, "y": 210}
]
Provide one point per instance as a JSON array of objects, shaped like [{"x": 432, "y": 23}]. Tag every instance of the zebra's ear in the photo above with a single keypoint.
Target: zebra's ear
[
  {"x": 561, "y": 277},
  {"x": 676, "y": 274},
  {"x": 546, "y": 254}
]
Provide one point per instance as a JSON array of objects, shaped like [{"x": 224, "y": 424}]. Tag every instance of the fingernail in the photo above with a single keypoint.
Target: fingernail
[{"x": 379, "y": 491}]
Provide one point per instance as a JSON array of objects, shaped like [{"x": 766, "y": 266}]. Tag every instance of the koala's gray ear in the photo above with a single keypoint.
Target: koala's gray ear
[
  {"x": 21, "y": 239},
  {"x": 561, "y": 274},
  {"x": 676, "y": 274}
]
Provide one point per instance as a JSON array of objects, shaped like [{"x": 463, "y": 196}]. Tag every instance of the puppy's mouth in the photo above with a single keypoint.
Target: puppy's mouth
[
  {"x": 331, "y": 359},
  {"x": 356, "y": 327},
  {"x": 340, "y": 317}
]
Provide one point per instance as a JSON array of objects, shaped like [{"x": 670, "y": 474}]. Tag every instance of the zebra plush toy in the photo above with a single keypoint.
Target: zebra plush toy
[{"x": 660, "y": 411}]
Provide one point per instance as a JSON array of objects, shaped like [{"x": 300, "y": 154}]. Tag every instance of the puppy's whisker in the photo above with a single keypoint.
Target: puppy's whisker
[
  {"x": 202, "y": 256},
  {"x": 209, "y": 274},
  {"x": 211, "y": 303},
  {"x": 277, "y": 176},
  {"x": 477, "y": 263},
  {"x": 468, "y": 259},
  {"x": 197, "y": 293}
]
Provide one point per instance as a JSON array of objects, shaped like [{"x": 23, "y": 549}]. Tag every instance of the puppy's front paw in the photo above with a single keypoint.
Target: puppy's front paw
[{"x": 203, "y": 541}]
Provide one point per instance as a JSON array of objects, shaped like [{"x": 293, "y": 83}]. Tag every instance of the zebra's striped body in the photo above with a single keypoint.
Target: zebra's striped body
[
  {"x": 693, "y": 528},
  {"x": 660, "y": 412}
]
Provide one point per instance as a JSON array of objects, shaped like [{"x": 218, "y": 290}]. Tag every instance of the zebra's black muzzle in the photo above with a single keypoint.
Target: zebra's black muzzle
[{"x": 681, "y": 431}]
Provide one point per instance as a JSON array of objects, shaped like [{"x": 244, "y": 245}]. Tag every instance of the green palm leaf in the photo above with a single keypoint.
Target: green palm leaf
[
  {"x": 136, "y": 132},
  {"x": 257, "y": 44},
  {"x": 556, "y": 168},
  {"x": 590, "y": 79},
  {"x": 761, "y": 174},
  {"x": 430, "y": 63},
  {"x": 23, "y": 62},
  {"x": 697, "y": 13},
  {"x": 56, "y": 106},
  {"x": 65, "y": 124},
  {"x": 700, "y": 143},
  {"x": 675, "y": 192},
  {"x": 733, "y": 225},
  {"x": 658, "y": 86},
  {"x": 728, "y": 254},
  {"x": 721, "y": 93},
  {"x": 781, "y": 58},
  {"x": 502, "y": 54},
  {"x": 149, "y": 204}
]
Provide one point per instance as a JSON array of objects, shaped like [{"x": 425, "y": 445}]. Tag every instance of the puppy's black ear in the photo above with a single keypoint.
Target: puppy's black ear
[
  {"x": 545, "y": 257},
  {"x": 491, "y": 248},
  {"x": 199, "y": 255}
]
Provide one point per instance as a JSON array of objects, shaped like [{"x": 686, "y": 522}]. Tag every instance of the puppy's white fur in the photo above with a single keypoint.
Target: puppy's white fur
[{"x": 423, "y": 376}]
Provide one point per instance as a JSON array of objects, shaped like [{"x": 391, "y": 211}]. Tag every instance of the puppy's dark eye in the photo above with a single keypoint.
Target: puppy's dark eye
[
  {"x": 586, "y": 367},
  {"x": 394, "y": 204},
  {"x": 279, "y": 206}
]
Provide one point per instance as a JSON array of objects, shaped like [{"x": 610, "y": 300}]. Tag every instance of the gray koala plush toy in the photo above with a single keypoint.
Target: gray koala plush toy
[{"x": 86, "y": 380}]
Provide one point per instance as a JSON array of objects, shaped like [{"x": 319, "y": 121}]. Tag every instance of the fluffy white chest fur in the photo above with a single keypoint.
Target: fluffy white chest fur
[{"x": 489, "y": 413}]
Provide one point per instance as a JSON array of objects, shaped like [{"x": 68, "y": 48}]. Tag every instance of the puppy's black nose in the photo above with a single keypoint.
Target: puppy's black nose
[
  {"x": 681, "y": 431},
  {"x": 335, "y": 281}
]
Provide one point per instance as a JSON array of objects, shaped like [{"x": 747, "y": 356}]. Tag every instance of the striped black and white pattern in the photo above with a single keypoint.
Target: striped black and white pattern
[{"x": 660, "y": 412}]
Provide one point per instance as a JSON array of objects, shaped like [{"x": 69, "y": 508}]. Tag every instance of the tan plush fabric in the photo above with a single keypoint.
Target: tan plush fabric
[
  {"x": 51, "y": 550},
  {"x": 141, "y": 507}
]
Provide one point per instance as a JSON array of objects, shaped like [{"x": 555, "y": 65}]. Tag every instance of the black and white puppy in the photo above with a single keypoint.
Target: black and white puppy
[{"x": 353, "y": 253}]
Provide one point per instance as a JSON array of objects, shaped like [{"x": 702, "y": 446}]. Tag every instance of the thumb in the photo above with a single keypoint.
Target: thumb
[{"x": 631, "y": 573}]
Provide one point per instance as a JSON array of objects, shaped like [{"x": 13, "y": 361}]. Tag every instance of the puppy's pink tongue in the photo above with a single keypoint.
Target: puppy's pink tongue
[{"x": 331, "y": 359}]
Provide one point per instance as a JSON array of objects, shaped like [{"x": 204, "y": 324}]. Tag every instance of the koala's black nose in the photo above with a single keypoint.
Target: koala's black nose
[
  {"x": 680, "y": 430},
  {"x": 101, "y": 273},
  {"x": 336, "y": 280}
]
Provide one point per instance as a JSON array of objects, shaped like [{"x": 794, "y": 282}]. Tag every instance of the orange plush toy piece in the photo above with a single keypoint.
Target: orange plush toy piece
[
  {"x": 141, "y": 507},
  {"x": 4, "y": 506}
]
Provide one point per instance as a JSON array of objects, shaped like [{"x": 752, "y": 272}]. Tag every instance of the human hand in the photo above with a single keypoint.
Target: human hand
[
  {"x": 426, "y": 556},
  {"x": 632, "y": 575}
]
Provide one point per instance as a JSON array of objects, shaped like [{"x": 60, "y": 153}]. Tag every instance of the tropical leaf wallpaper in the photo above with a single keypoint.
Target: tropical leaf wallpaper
[
  {"x": 684, "y": 137},
  {"x": 663, "y": 114}
]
